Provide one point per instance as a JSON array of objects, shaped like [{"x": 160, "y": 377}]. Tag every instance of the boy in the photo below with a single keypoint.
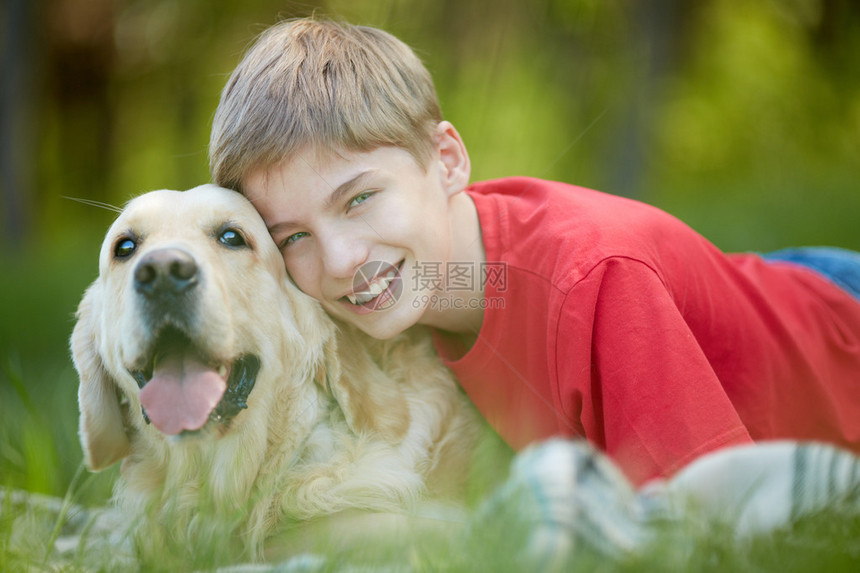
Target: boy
[{"x": 563, "y": 311}]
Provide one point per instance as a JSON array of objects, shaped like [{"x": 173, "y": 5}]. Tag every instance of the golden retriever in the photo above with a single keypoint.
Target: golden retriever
[{"x": 237, "y": 406}]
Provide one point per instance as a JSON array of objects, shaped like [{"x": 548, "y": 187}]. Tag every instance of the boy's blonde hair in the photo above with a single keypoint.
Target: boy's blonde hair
[{"x": 325, "y": 84}]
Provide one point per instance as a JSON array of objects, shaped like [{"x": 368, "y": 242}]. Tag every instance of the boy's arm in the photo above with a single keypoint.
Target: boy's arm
[{"x": 630, "y": 368}]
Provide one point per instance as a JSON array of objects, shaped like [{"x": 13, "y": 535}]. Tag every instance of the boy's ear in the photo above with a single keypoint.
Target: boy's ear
[{"x": 453, "y": 157}]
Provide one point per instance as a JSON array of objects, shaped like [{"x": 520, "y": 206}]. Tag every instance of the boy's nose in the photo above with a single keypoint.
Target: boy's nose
[{"x": 343, "y": 254}]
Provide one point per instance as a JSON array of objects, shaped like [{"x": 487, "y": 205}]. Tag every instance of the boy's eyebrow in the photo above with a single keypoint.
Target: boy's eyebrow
[
  {"x": 346, "y": 187},
  {"x": 334, "y": 197}
]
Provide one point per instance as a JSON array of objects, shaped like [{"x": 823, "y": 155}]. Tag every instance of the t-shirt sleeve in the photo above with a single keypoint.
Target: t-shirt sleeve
[{"x": 633, "y": 375}]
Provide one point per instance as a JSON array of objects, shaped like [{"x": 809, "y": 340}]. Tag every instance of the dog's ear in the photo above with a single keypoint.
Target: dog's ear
[
  {"x": 371, "y": 400},
  {"x": 102, "y": 428}
]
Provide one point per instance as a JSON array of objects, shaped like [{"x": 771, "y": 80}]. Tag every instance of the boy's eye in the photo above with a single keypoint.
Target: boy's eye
[
  {"x": 292, "y": 239},
  {"x": 360, "y": 198}
]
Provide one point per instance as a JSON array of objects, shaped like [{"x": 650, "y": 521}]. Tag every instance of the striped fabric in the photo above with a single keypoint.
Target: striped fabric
[{"x": 570, "y": 500}]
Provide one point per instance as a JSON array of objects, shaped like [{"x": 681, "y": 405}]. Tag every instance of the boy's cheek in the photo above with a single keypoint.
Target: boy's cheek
[{"x": 298, "y": 276}]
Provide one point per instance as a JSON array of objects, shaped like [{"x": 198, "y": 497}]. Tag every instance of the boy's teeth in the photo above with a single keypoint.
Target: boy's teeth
[{"x": 373, "y": 290}]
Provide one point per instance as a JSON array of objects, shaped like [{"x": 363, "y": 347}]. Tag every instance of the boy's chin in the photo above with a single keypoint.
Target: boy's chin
[
  {"x": 379, "y": 331},
  {"x": 385, "y": 324}
]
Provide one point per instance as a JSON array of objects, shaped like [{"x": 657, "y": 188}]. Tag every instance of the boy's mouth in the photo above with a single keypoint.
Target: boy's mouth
[{"x": 376, "y": 285}]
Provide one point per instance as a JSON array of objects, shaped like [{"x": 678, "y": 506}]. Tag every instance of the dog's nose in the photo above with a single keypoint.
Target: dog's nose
[{"x": 165, "y": 271}]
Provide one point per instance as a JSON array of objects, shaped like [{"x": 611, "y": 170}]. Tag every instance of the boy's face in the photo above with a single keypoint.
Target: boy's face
[{"x": 349, "y": 224}]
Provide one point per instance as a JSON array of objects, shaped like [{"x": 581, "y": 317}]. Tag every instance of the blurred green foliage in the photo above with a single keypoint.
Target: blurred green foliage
[{"x": 742, "y": 117}]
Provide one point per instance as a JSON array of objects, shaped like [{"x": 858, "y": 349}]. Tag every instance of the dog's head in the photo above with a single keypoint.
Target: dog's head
[
  {"x": 191, "y": 300},
  {"x": 193, "y": 318}
]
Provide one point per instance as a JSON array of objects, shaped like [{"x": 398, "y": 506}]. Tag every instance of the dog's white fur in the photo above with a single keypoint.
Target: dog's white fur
[{"x": 335, "y": 423}]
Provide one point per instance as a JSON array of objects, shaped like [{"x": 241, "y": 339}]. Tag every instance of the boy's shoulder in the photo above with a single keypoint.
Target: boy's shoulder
[
  {"x": 527, "y": 205},
  {"x": 534, "y": 194},
  {"x": 557, "y": 229},
  {"x": 524, "y": 188}
]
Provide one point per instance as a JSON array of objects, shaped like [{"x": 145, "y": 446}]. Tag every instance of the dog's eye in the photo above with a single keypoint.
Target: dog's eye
[
  {"x": 232, "y": 238},
  {"x": 124, "y": 248}
]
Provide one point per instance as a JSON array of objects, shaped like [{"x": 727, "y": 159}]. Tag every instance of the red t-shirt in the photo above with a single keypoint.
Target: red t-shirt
[{"x": 611, "y": 320}]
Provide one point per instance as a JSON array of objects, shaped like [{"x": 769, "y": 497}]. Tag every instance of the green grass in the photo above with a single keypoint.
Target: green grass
[
  {"x": 828, "y": 542},
  {"x": 39, "y": 448}
]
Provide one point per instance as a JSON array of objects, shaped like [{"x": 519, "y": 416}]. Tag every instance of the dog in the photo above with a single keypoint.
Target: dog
[{"x": 238, "y": 408}]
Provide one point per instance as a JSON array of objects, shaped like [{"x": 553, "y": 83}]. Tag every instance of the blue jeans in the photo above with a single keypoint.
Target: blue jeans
[{"x": 840, "y": 266}]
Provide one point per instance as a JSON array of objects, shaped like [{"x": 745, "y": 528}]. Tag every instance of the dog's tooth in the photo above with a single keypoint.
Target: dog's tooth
[
  {"x": 375, "y": 289},
  {"x": 222, "y": 370},
  {"x": 352, "y": 299}
]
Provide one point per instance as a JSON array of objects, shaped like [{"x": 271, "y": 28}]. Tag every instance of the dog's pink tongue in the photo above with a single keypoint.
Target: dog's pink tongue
[{"x": 182, "y": 394}]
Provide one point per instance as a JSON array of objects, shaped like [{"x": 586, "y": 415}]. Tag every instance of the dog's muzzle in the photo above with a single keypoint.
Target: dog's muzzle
[{"x": 182, "y": 388}]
